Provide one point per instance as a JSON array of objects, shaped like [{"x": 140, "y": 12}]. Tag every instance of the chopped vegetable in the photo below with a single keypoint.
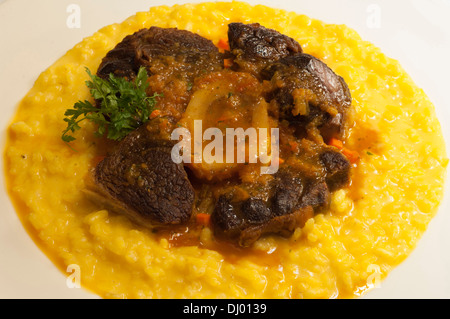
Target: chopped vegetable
[
  {"x": 122, "y": 106},
  {"x": 352, "y": 156},
  {"x": 294, "y": 146},
  {"x": 227, "y": 63},
  {"x": 336, "y": 143},
  {"x": 155, "y": 113},
  {"x": 223, "y": 44},
  {"x": 203, "y": 219}
]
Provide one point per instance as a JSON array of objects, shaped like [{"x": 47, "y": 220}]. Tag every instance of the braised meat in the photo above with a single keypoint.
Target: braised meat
[
  {"x": 296, "y": 192},
  {"x": 271, "y": 83},
  {"x": 188, "y": 54},
  {"x": 141, "y": 177},
  {"x": 173, "y": 59},
  {"x": 225, "y": 100},
  {"x": 310, "y": 95},
  {"x": 337, "y": 169},
  {"x": 245, "y": 222},
  {"x": 254, "y": 46}
]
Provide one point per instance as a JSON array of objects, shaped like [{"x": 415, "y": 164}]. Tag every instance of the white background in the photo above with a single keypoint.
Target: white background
[{"x": 34, "y": 34}]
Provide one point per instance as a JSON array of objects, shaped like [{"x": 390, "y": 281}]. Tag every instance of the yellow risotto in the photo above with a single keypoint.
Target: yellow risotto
[{"x": 372, "y": 226}]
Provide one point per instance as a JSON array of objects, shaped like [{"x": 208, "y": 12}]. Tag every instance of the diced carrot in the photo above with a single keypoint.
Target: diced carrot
[
  {"x": 154, "y": 114},
  {"x": 336, "y": 143},
  {"x": 223, "y": 44},
  {"x": 203, "y": 219},
  {"x": 227, "y": 63},
  {"x": 352, "y": 156},
  {"x": 280, "y": 160},
  {"x": 293, "y": 145}
]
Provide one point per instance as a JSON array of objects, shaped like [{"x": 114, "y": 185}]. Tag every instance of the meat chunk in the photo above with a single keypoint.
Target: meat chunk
[
  {"x": 294, "y": 200},
  {"x": 173, "y": 59},
  {"x": 141, "y": 178},
  {"x": 245, "y": 222},
  {"x": 254, "y": 46},
  {"x": 293, "y": 193},
  {"x": 161, "y": 50},
  {"x": 300, "y": 188},
  {"x": 310, "y": 95},
  {"x": 289, "y": 190},
  {"x": 337, "y": 167}
]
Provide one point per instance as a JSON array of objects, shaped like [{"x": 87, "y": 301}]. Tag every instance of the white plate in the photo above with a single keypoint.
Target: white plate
[{"x": 34, "y": 34}]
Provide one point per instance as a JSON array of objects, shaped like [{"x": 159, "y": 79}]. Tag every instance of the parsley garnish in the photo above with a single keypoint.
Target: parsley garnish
[{"x": 122, "y": 106}]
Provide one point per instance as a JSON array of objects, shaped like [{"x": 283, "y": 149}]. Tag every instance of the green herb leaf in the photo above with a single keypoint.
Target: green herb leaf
[{"x": 122, "y": 106}]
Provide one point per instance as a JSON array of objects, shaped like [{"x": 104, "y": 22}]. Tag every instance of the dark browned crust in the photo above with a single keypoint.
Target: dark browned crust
[
  {"x": 255, "y": 42},
  {"x": 338, "y": 169},
  {"x": 295, "y": 197},
  {"x": 152, "y": 47},
  {"x": 253, "y": 46},
  {"x": 331, "y": 106},
  {"x": 142, "y": 176},
  {"x": 245, "y": 222}
]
